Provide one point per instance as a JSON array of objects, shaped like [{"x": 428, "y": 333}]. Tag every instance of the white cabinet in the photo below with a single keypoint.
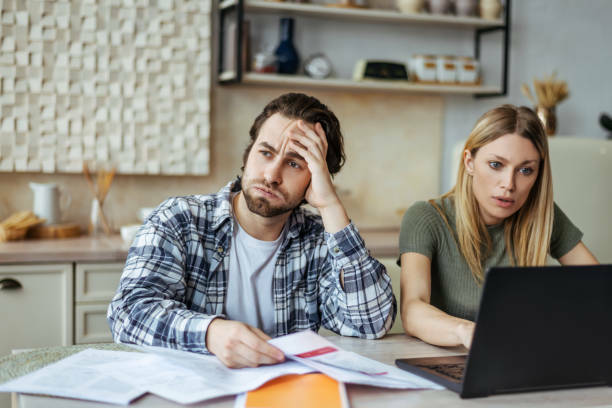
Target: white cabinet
[
  {"x": 95, "y": 286},
  {"x": 36, "y": 306}
]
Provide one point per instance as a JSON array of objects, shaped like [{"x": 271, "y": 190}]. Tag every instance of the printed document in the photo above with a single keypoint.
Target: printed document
[
  {"x": 322, "y": 355},
  {"x": 118, "y": 377}
]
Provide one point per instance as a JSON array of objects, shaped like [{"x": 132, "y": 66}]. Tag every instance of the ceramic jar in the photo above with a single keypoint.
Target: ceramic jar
[
  {"x": 423, "y": 68},
  {"x": 446, "y": 69},
  {"x": 490, "y": 9},
  {"x": 466, "y": 7},
  {"x": 50, "y": 201},
  {"x": 410, "y": 6},
  {"x": 439, "y": 6},
  {"x": 467, "y": 70}
]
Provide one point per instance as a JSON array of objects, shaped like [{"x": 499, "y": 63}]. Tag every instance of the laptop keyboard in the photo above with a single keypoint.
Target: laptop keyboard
[{"x": 454, "y": 371}]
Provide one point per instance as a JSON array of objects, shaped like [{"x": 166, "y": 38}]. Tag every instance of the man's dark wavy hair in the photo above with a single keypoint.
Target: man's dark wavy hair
[{"x": 310, "y": 110}]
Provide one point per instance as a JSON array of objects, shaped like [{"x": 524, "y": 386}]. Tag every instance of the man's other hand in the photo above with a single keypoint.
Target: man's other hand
[{"x": 239, "y": 345}]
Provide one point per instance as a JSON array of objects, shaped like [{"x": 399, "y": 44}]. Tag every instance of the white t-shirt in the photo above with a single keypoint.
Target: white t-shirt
[{"x": 251, "y": 270}]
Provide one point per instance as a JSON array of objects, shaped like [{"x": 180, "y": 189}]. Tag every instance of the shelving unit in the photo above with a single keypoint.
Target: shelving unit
[
  {"x": 356, "y": 14},
  {"x": 481, "y": 27},
  {"x": 251, "y": 78}
]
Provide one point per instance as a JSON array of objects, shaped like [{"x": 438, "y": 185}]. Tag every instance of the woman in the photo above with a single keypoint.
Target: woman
[{"x": 500, "y": 212}]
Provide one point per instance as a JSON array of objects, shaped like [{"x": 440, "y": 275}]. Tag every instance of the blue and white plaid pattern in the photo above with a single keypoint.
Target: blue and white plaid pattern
[{"x": 175, "y": 278}]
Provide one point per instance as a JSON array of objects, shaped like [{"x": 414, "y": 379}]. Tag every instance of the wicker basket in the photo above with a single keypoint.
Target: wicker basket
[{"x": 12, "y": 234}]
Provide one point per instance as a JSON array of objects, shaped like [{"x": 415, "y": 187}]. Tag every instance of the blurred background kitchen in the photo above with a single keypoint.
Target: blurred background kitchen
[
  {"x": 119, "y": 104},
  {"x": 398, "y": 142}
]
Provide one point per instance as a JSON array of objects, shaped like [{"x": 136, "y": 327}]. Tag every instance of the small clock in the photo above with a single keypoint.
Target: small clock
[{"x": 318, "y": 66}]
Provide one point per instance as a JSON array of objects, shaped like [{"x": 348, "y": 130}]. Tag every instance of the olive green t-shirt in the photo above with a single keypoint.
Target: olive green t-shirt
[{"x": 453, "y": 287}]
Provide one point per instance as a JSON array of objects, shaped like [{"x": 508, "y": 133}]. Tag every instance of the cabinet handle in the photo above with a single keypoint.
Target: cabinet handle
[{"x": 9, "y": 284}]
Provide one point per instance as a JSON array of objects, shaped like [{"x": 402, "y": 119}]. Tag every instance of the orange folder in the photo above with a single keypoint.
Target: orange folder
[{"x": 314, "y": 390}]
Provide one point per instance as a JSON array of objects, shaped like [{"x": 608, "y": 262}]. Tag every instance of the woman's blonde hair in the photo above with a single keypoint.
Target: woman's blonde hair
[{"x": 527, "y": 232}]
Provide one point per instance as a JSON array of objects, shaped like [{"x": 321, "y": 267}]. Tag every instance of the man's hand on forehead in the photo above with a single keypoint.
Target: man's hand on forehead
[{"x": 295, "y": 131}]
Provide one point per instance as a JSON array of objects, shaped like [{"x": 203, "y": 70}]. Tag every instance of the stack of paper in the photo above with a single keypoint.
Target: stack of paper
[{"x": 118, "y": 377}]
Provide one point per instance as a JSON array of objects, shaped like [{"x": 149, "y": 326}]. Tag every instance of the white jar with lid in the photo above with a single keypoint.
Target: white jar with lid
[
  {"x": 423, "y": 68},
  {"x": 467, "y": 70},
  {"x": 446, "y": 69}
]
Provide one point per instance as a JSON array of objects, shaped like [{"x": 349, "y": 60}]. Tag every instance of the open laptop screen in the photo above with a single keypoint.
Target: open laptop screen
[{"x": 540, "y": 328}]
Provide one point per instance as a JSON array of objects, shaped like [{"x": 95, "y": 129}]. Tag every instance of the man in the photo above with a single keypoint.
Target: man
[{"x": 222, "y": 273}]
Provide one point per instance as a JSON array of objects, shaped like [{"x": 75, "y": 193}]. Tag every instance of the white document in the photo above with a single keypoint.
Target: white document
[
  {"x": 82, "y": 376},
  {"x": 190, "y": 377},
  {"x": 118, "y": 377},
  {"x": 322, "y": 355}
]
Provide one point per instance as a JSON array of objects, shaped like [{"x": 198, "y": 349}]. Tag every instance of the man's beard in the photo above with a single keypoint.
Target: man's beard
[{"x": 261, "y": 206}]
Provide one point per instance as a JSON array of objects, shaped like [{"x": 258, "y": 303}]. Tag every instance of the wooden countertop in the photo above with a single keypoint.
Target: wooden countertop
[{"x": 381, "y": 242}]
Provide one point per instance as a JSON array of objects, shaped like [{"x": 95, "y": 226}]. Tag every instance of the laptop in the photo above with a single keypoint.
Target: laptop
[{"x": 538, "y": 328}]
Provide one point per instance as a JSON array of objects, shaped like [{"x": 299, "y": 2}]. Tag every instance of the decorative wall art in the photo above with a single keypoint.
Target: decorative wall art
[{"x": 125, "y": 82}]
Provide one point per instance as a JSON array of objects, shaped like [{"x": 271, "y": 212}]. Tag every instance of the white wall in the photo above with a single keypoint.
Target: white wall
[{"x": 570, "y": 36}]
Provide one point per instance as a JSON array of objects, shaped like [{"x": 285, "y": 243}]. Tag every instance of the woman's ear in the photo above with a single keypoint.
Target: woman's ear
[{"x": 468, "y": 162}]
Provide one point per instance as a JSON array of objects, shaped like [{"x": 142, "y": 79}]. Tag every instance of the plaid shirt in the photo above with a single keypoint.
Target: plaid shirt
[{"x": 175, "y": 278}]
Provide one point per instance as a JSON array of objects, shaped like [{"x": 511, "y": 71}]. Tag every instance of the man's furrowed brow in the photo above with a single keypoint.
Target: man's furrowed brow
[
  {"x": 268, "y": 146},
  {"x": 295, "y": 155},
  {"x": 289, "y": 153}
]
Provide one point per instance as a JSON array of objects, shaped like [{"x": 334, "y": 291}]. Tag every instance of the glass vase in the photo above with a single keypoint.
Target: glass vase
[{"x": 98, "y": 221}]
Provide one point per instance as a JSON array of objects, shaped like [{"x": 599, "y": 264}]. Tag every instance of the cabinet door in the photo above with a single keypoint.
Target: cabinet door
[
  {"x": 394, "y": 273},
  {"x": 38, "y": 312},
  {"x": 95, "y": 286},
  {"x": 97, "y": 282},
  {"x": 90, "y": 324}
]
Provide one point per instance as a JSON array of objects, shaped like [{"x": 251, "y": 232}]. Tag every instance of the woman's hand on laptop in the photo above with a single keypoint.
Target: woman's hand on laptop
[
  {"x": 239, "y": 345},
  {"x": 465, "y": 332}
]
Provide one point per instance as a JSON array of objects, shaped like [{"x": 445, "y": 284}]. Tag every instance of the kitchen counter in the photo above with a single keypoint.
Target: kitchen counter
[
  {"x": 81, "y": 249},
  {"x": 382, "y": 242}
]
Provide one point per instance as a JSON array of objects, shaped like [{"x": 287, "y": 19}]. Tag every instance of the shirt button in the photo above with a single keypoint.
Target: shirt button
[
  {"x": 220, "y": 250},
  {"x": 336, "y": 250}
]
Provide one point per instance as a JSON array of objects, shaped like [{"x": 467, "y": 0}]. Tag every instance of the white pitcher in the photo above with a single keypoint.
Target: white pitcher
[{"x": 47, "y": 203}]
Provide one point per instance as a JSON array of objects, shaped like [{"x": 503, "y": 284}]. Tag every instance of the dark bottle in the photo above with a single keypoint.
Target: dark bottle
[{"x": 286, "y": 54}]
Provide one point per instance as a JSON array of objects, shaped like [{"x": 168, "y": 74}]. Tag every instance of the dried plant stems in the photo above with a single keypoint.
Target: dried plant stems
[
  {"x": 527, "y": 92},
  {"x": 549, "y": 92}
]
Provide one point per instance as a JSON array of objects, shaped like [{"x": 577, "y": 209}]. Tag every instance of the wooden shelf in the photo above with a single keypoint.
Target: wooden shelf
[
  {"x": 480, "y": 26},
  {"x": 291, "y": 81},
  {"x": 378, "y": 15}
]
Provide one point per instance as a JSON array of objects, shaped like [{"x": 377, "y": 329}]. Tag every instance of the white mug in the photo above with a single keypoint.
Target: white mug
[{"x": 47, "y": 203}]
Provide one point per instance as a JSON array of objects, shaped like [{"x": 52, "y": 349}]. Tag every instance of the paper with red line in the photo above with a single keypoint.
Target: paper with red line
[{"x": 320, "y": 354}]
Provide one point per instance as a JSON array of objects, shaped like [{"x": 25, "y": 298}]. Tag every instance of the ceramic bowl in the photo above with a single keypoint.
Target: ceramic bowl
[
  {"x": 144, "y": 212},
  {"x": 128, "y": 232}
]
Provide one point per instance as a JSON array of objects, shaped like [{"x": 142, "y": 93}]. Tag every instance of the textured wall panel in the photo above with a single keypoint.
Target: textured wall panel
[{"x": 125, "y": 82}]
